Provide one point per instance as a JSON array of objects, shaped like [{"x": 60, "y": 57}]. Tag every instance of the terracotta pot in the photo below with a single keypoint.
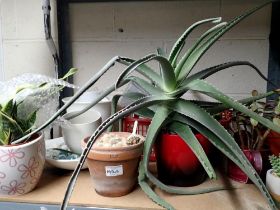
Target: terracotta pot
[
  {"x": 114, "y": 170},
  {"x": 177, "y": 165},
  {"x": 273, "y": 140},
  {"x": 21, "y": 166},
  {"x": 273, "y": 184},
  {"x": 235, "y": 173}
]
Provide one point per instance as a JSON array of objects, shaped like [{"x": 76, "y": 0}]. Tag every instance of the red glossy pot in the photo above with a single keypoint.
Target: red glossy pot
[
  {"x": 235, "y": 173},
  {"x": 273, "y": 140},
  {"x": 177, "y": 165}
]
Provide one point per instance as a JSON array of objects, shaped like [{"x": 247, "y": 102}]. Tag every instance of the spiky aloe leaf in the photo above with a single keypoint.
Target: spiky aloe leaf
[
  {"x": 158, "y": 120},
  {"x": 212, "y": 70},
  {"x": 145, "y": 70},
  {"x": 205, "y": 88},
  {"x": 91, "y": 82},
  {"x": 221, "y": 107},
  {"x": 168, "y": 76},
  {"x": 142, "y": 180},
  {"x": 161, "y": 52},
  {"x": 142, "y": 84},
  {"x": 189, "y": 138},
  {"x": 217, "y": 142},
  {"x": 182, "y": 69},
  {"x": 177, "y": 47},
  {"x": 203, "y": 118},
  {"x": 194, "y": 57},
  {"x": 133, "y": 96},
  {"x": 143, "y": 102},
  {"x": 161, "y": 115}
]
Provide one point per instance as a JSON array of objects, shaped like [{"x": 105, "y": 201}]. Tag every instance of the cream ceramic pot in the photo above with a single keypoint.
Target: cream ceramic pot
[
  {"x": 103, "y": 107},
  {"x": 21, "y": 166},
  {"x": 78, "y": 128},
  {"x": 273, "y": 184}
]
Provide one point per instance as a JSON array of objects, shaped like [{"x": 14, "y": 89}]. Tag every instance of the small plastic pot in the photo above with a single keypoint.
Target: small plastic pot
[
  {"x": 273, "y": 140},
  {"x": 114, "y": 170}
]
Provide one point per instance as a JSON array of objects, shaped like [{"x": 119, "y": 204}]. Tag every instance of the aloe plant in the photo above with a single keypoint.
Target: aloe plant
[
  {"x": 162, "y": 100},
  {"x": 13, "y": 123}
]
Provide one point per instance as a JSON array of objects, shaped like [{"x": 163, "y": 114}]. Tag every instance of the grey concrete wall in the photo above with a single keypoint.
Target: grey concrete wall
[
  {"x": 23, "y": 41},
  {"x": 96, "y": 37}
]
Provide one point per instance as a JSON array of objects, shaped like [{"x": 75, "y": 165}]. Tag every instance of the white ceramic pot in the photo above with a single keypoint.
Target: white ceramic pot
[
  {"x": 103, "y": 107},
  {"x": 21, "y": 166},
  {"x": 273, "y": 184},
  {"x": 79, "y": 128}
]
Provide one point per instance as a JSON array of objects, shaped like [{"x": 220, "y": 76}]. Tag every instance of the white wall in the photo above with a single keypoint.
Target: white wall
[
  {"x": 24, "y": 46},
  {"x": 1, "y": 49},
  {"x": 147, "y": 25}
]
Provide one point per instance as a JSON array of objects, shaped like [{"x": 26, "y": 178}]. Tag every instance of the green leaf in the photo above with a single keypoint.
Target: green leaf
[
  {"x": 146, "y": 71},
  {"x": 142, "y": 103},
  {"x": 221, "y": 107},
  {"x": 195, "y": 55},
  {"x": 183, "y": 68},
  {"x": 31, "y": 121},
  {"x": 145, "y": 86},
  {"x": 218, "y": 142},
  {"x": 8, "y": 107},
  {"x": 71, "y": 72},
  {"x": 158, "y": 120},
  {"x": 203, "y": 118},
  {"x": 212, "y": 70},
  {"x": 161, "y": 52},
  {"x": 189, "y": 138},
  {"x": 207, "y": 89},
  {"x": 168, "y": 77},
  {"x": 177, "y": 47},
  {"x": 148, "y": 190}
]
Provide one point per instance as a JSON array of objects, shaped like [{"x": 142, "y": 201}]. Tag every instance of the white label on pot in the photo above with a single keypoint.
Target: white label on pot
[{"x": 114, "y": 170}]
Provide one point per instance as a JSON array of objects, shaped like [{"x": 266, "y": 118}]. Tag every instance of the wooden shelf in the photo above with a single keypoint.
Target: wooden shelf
[{"x": 52, "y": 185}]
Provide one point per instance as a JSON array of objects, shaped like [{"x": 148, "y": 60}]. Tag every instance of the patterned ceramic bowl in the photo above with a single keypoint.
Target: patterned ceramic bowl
[{"x": 21, "y": 166}]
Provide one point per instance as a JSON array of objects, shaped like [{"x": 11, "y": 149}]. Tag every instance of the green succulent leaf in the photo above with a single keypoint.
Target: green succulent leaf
[
  {"x": 221, "y": 107},
  {"x": 145, "y": 86},
  {"x": 168, "y": 76},
  {"x": 189, "y": 138},
  {"x": 146, "y": 71},
  {"x": 141, "y": 103},
  {"x": 143, "y": 69},
  {"x": 205, "y": 88},
  {"x": 185, "y": 66},
  {"x": 148, "y": 190},
  {"x": 177, "y": 47},
  {"x": 161, "y": 115},
  {"x": 204, "y": 119},
  {"x": 195, "y": 55},
  {"x": 224, "y": 66},
  {"x": 161, "y": 52}
]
